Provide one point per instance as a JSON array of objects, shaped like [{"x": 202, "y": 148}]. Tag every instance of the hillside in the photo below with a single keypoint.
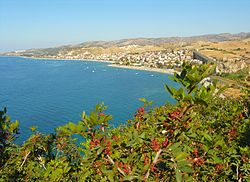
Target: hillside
[
  {"x": 230, "y": 51},
  {"x": 140, "y": 42}
]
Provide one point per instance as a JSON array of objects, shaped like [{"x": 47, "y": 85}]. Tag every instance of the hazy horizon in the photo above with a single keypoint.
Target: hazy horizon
[{"x": 28, "y": 24}]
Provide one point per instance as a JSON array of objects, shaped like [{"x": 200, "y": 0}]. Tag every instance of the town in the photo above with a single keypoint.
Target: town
[
  {"x": 164, "y": 59},
  {"x": 155, "y": 59}
]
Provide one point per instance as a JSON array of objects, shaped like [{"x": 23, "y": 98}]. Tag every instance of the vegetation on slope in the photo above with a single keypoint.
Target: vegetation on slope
[
  {"x": 203, "y": 137},
  {"x": 241, "y": 76}
]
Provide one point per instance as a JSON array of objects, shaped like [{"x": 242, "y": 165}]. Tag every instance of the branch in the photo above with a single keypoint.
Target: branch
[
  {"x": 188, "y": 109},
  {"x": 41, "y": 160},
  {"x": 111, "y": 160},
  {"x": 154, "y": 162},
  {"x": 25, "y": 158}
]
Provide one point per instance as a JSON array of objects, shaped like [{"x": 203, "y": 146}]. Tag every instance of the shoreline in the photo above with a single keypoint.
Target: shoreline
[
  {"x": 144, "y": 68},
  {"x": 112, "y": 64},
  {"x": 90, "y": 60}
]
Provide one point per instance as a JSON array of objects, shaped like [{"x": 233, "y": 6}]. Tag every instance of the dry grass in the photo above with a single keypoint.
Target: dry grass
[
  {"x": 233, "y": 92},
  {"x": 228, "y": 49}
]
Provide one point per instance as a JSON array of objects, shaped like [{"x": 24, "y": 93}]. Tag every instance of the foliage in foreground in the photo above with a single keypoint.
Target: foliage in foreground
[{"x": 201, "y": 138}]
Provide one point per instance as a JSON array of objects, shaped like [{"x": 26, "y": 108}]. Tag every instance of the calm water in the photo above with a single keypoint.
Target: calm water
[{"x": 49, "y": 93}]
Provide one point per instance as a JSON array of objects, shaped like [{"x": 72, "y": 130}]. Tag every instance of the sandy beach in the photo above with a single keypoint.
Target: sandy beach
[{"x": 166, "y": 71}]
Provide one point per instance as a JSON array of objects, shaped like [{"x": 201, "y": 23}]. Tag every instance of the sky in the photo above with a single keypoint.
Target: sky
[{"x": 26, "y": 24}]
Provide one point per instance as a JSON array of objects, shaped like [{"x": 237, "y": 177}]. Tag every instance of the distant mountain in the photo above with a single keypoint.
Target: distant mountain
[
  {"x": 128, "y": 42},
  {"x": 164, "y": 40}
]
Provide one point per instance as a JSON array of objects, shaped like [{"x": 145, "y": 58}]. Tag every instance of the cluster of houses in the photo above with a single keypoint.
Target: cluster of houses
[
  {"x": 159, "y": 59},
  {"x": 171, "y": 59},
  {"x": 154, "y": 59}
]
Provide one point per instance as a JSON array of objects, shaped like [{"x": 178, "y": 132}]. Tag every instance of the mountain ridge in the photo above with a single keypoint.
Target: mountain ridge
[
  {"x": 161, "y": 40},
  {"x": 146, "y": 41}
]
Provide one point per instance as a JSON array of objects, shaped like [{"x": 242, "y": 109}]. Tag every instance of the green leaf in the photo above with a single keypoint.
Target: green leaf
[
  {"x": 142, "y": 99},
  {"x": 13, "y": 126},
  {"x": 178, "y": 175},
  {"x": 161, "y": 118},
  {"x": 83, "y": 115},
  {"x": 111, "y": 175},
  {"x": 217, "y": 160},
  {"x": 72, "y": 126},
  {"x": 143, "y": 135},
  {"x": 169, "y": 89},
  {"x": 200, "y": 101},
  {"x": 181, "y": 156},
  {"x": 181, "y": 93},
  {"x": 130, "y": 178},
  {"x": 207, "y": 137},
  {"x": 104, "y": 179},
  {"x": 186, "y": 169},
  {"x": 174, "y": 146},
  {"x": 33, "y": 128}
]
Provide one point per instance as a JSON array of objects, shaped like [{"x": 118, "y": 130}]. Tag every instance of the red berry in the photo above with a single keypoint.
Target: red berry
[
  {"x": 140, "y": 113},
  {"x": 175, "y": 115},
  {"x": 146, "y": 160},
  {"x": 141, "y": 110},
  {"x": 101, "y": 114},
  {"x": 199, "y": 161},
  {"x": 218, "y": 167},
  {"x": 155, "y": 145},
  {"x": 165, "y": 143},
  {"x": 196, "y": 152},
  {"x": 152, "y": 167}
]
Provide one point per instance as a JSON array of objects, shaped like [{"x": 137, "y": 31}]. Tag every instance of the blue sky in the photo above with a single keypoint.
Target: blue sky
[{"x": 44, "y": 23}]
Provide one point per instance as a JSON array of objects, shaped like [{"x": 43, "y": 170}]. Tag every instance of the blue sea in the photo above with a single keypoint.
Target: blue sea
[{"x": 50, "y": 93}]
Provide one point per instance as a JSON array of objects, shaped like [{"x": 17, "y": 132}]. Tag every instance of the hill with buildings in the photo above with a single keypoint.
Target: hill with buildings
[{"x": 230, "y": 51}]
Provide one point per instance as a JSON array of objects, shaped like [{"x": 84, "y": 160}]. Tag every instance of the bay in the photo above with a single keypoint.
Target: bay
[{"x": 49, "y": 93}]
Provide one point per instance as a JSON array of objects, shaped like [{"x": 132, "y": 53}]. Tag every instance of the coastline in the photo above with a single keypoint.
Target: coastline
[
  {"x": 90, "y": 60},
  {"x": 112, "y": 64},
  {"x": 144, "y": 68}
]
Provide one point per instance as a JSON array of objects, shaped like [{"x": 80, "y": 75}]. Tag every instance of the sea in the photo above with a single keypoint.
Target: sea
[{"x": 50, "y": 93}]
